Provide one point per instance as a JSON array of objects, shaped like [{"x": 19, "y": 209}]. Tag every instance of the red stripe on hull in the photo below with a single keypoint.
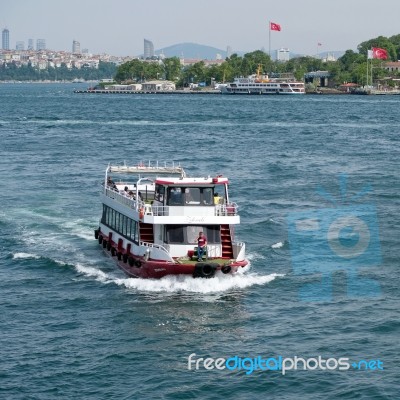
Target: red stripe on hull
[{"x": 159, "y": 269}]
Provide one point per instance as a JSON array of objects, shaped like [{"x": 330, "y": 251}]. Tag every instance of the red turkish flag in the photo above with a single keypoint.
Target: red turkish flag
[
  {"x": 274, "y": 26},
  {"x": 377, "y": 52}
]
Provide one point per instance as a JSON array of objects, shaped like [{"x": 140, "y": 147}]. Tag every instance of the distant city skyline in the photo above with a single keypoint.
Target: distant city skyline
[{"x": 121, "y": 28}]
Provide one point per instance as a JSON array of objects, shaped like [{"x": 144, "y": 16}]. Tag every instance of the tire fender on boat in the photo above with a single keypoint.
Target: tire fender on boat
[
  {"x": 226, "y": 269},
  {"x": 131, "y": 261},
  {"x": 119, "y": 256},
  {"x": 96, "y": 233},
  {"x": 113, "y": 251},
  {"x": 104, "y": 244},
  {"x": 100, "y": 239},
  {"x": 125, "y": 258},
  {"x": 204, "y": 270},
  {"x": 138, "y": 263},
  {"x": 109, "y": 246}
]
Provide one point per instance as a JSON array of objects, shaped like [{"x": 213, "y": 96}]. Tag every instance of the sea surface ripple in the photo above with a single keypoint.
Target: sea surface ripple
[{"x": 73, "y": 326}]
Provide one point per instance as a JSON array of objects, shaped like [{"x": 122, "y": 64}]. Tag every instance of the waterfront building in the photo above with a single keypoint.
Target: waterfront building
[
  {"x": 6, "y": 39},
  {"x": 283, "y": 55},
  {"x": 40, "y": 44},
  {"x": 148, "y": 49}
]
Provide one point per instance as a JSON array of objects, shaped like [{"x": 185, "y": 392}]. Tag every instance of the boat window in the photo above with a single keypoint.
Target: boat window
[
  {"x": 122, "y": 224},
  {"x": 213, "y": 234},
  {"x": 208, "y": 196},
  {"x": 160, "y": 193},
  {"x": 192, "y": 233},
  {"x": 175, "y": 234},
  {"x": 175, "y": 196},
  {"x": 192, "y": 196},
  {"x": 181, "y": 234}
]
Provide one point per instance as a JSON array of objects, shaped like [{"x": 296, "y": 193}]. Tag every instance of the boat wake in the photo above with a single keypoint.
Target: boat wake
[
  {"x": 220, "y": 283},
  {"x": 25, "y": 256}
]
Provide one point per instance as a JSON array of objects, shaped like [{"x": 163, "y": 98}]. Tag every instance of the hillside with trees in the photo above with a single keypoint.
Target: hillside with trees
[{"x": 351, "y": 67}]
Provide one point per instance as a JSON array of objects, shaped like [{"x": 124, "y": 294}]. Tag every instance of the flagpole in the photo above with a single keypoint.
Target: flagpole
[
  {"x": 269, "y": 41},
  {"x": 371, "y": 75}
]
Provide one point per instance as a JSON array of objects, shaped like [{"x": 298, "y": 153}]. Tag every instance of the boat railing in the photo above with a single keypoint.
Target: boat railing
[
  {"x": 220, "y": 210},
  {"x": 226, "y": 209},
  {"x": 122, "y": 198}
]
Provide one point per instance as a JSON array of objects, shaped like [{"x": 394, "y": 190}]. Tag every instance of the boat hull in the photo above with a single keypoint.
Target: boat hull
[
  {"x": 159, "y": 269},
  {"x": 142, "y": 267}
]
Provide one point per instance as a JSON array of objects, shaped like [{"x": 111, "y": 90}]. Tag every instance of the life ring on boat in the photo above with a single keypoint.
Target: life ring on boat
[
  {"x": 204, "y": 270},
  {"x": 226, "y": 269},
  {"x": 100, "y": 239},
  {"x": 109, "y": 246},
  {"x": 125, "y": 258},
  {"x": 131, "y": 261},
  {"x": 96, "y": 233},
  {"x": 141, "y": 213},
  {"x": 104, "y": 244}
]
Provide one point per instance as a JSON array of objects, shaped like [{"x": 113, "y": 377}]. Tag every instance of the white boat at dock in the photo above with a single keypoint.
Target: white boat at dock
[{"x": 261, "y": 84}]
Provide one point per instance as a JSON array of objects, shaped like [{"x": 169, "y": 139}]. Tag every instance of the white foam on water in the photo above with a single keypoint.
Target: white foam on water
[
  {"x": 220, "y": 283},
  {"x": 22, "y": 256},
  {"x": 277, "y": 245},
  {"x": 94, "y": 272},
  {"x": 79, "y": 228}
]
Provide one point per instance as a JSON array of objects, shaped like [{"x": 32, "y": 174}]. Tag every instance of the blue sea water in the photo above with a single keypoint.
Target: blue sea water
[{"x": 73, "y": 326}]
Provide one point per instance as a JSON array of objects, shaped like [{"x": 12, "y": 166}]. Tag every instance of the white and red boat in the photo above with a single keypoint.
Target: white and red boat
[{"x": 150, "y": 223}]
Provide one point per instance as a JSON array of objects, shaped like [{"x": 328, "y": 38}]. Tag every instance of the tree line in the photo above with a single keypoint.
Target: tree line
[
  {"x": 351, "y": 67},
  {"x": 11, "y": 71}
]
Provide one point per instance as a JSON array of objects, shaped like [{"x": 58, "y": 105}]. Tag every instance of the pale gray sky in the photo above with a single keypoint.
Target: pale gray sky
[{"x": 118, "y": 27}]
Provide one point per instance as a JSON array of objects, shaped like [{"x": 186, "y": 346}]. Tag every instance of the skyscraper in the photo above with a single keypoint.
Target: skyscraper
[
  {"x": 148, "y": 49},
  {"x": 20, "y": 46},
  {"x": 6, "y": 39},
  {"x": 76, "y": 47},
  {"x": 40, "y": 44},
  {"x": 30, "y": 44}
]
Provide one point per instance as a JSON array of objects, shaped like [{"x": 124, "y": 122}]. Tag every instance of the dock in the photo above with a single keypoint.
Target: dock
[{"x": 189, "y": 92}]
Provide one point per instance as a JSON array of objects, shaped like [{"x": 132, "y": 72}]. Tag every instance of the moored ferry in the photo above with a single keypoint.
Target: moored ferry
[
  {"x": 263, "y": 84},
  {"x": 151, "y": 224}
]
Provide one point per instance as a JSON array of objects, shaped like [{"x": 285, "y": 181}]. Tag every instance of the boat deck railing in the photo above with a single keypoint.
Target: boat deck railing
[{"x": 230, "y": 209}]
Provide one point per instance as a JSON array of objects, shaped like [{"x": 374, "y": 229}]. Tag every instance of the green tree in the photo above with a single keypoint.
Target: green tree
[
  {"x": 172, "y": 68},
  {"x": 381, "y": 42}
]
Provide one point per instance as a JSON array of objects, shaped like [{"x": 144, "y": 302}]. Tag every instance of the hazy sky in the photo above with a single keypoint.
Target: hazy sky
[{"x": 118, "y": 27}]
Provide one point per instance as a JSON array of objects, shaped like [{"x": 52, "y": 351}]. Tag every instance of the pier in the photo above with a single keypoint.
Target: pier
[{"x": 190, "y": 92}]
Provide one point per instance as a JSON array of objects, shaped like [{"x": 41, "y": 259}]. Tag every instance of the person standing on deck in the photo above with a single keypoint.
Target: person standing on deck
[{"x": 201, "y": 246}]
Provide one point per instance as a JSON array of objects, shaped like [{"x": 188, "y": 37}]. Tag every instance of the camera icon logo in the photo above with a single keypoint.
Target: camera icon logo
[{"x": 340, "y": 238}]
